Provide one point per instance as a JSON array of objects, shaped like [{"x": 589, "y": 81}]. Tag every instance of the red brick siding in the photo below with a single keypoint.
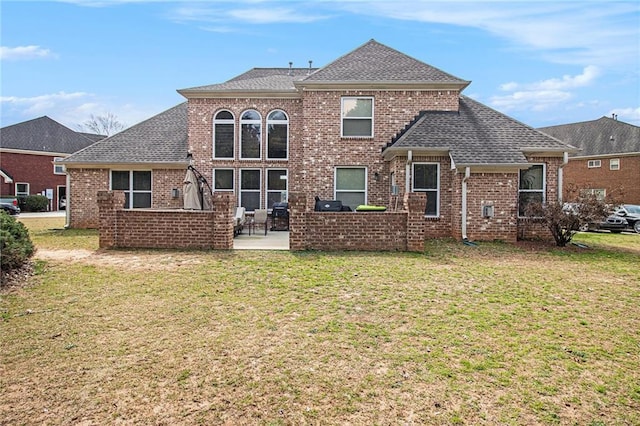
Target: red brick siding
[
  {"x": 34, "y": 169},
  {"x": 501, "y": 191},
  {"x": 622, "y": 185}
]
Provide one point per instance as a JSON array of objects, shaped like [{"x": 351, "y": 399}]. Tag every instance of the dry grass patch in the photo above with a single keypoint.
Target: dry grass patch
[{"x": 494, "y": 334}]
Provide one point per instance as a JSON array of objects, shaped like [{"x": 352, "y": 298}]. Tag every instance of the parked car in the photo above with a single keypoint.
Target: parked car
[
  {"x": 613, "y": 223},
  {"x": 631, "y": 213},
  {"x": 10, "y": 208}
]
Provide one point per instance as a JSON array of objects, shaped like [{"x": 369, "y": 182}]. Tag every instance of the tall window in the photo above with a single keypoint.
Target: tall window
[
  {"x": 351, "y": 186},
  {"x": 426, "y": 178},
  {"x": 250, "y": 189},
  {"x": 58, "y": 169},
  {"x": 614, "y": 164},
  {"x": 276, "y": 186},
  {"x": 357, "y": 117},
  {"x": 277, "y": 135},
  {"x": 223, "y": 135},
  {"x": 22, "y": 190},
  {"x": 223, "y": 179},
  {"x": 531, "y": 187},
  {"x": 136, "y": 186},
  {"x": 251, "y": 131}
]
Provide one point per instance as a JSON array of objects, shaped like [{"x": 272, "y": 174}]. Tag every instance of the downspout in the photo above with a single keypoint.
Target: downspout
[
  {"x": 67, "y": 208},
  {"x": 467, "y": 174},
  {"x": 565, "y": 160},
  {"x": 407, "y": 172}
]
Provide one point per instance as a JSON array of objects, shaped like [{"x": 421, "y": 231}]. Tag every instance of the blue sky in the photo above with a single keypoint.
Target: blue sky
[{"x": 543, "y": 62}]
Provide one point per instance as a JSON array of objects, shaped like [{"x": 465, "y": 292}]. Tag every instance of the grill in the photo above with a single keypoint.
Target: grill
[{"x": 280, "y": 217}]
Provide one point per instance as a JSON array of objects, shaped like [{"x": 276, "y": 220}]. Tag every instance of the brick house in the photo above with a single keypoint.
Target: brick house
[
  {"x": 368, "y": 128},
  {"x": 608, "y": 163},
  {"x": 28, "y": 151}
]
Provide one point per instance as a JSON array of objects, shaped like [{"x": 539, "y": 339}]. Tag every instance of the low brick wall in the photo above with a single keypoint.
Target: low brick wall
[
  {"x": 168, "y": 228},
  {"x": 370, "y": 231}
]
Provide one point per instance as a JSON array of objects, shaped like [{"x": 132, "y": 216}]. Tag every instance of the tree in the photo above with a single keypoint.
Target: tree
[{"x": 106, "y": 124}]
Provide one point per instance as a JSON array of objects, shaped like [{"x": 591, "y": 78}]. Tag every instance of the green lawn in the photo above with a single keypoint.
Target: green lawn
[{"x": 494, "y": 334}]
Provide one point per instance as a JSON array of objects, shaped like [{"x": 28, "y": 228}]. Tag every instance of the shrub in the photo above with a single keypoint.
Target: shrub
[
  {"x": 16, "y": 247},
  {"x": 36, "y": 203}
]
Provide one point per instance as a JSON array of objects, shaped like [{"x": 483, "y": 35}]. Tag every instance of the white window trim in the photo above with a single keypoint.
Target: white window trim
[
  {"x": 594, "y": 164},
  {"x": 342, "y": 117},
  {"x": 223, "y": 121},
  {"x": 233, "y": 179},
  {"x": 261, "y": 144},
  {"x": 366, "y": 186},
  {"x": 614, "y": 164},
  {"x": 266, "y": 183},
  {"x": 22, "y": 193},
  {"x": 544, "y": 186},
  {"x": 414, "y": 189},
  {"x": 240, "y": 190},
  {"x": 55, "y": 166},
  {"x": 286, "y": 122},
  {"x": 131, "y": 191}
]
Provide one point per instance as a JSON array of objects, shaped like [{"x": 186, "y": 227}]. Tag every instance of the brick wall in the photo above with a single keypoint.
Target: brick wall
[
  {"x": 150, "y": 228},
  {"x": 622, "y": 185},
  {"x": 34, "y": 169}
]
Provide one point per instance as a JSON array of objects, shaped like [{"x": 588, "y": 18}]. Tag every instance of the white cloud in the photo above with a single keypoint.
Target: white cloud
[
  {"x": 24, "y": 53},
  {"x": 588, "y": 77}
]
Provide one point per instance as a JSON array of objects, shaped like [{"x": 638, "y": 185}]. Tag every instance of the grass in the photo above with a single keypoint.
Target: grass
[{"x": 495, "y": 334}]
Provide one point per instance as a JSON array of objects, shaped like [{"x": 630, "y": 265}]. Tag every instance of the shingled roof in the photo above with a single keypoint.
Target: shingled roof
[
  {"x": 475, "y": 135},
  {"x": 44, "y": 135},
  {"x": 374, "y": 62},
  {"x": 160, "y": 139},
  {"x": 604, "y": 136}
]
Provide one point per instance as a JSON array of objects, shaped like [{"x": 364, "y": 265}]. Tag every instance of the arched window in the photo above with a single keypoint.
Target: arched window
[
  {"x": 251, "y": 135},
  {"x": 277, "y": 135},
  {"x": 223, "y": 135}
]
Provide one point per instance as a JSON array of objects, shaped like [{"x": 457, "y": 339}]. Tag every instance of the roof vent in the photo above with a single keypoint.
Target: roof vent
[
  {"x": 614, "y": 116},
  {"x": 310, "y": 63},
  {"x": 290, "y": 68}
]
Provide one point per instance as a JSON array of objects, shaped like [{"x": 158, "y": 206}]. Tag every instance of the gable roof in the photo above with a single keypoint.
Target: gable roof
[
  {"x": 43, "y": 135},
  {"x": 159, "y": 139},
  {"x": 604, "y": 136},
  {"x": 374, "y": 62},
  {"x": 474, "y": 135}
]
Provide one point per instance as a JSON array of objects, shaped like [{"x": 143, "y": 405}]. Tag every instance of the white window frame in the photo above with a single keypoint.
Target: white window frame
[
  {"x": 594, "y": 164},
  {"x": 278, "y": 122},
  {"x": 544, "y": 185},
  {"x": 22, "y": 193},
  {"x": 233, "y": 179},
  {"x": 428, "y": 190},
  {"x": 242, "y": 190},
  {"x": 233, "y": 138},
  {"x": 268, "y": 191},
  {"x": 257, "y": 121},
  {"x": 335, "y": 183},
  {"x": 343, "y": 118},
  {"x": 131, "y": 191},
  {"x": 58, "y": 169},
  {"x": 614, "y": 164}
]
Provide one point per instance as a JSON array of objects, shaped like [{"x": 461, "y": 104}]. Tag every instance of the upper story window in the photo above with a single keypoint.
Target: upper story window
[
  {"x": 357, "y": 117},
  {"x": 426, "y": 178},
  {"x": 58, "y": 169},
  {"x": 614, "y": 164},
  {"x": 531, "y": 188},
  {"x": 223, "y": 135},
  {"x": 277, "y": 135},
  {"x": 592, "y": 164},
  {"x": 251, "y": 135}
]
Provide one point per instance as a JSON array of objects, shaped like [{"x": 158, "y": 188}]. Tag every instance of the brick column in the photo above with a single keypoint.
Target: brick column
[
  {"x": 109, "y": 203},
  {"x": 416, "y": 203},
  {"x": 297, "y": 221},
  {"x": 223, "y": 211}
]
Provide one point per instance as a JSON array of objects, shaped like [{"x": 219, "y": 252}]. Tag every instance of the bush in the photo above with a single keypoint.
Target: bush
[
  {"x": 16, "y": 247},
  {"x": 36, "y": 203}
]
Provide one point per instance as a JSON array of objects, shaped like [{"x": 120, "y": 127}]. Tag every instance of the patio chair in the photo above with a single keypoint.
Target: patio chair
[
  {"x": 260, "y": 219},
  {"x": 239, "y": 220}
]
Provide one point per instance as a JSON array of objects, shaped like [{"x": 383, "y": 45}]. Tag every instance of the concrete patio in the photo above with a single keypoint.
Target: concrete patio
[{"x": 274, "y": 240}]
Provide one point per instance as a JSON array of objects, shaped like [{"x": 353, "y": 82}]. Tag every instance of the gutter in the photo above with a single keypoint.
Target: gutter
[
  {"x": 565, "y": 160},
  {"x": 467, "y": 174}
]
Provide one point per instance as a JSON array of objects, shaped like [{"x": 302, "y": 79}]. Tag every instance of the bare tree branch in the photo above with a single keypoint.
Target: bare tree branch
[{"x": 106, "y": 124}]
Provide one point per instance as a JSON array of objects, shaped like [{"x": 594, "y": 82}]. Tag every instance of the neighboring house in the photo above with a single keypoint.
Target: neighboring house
[
  {"x": 364, "y": 129},
  {"x": 608, "y": 163},
  {"x": 27, "y": 154}
]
